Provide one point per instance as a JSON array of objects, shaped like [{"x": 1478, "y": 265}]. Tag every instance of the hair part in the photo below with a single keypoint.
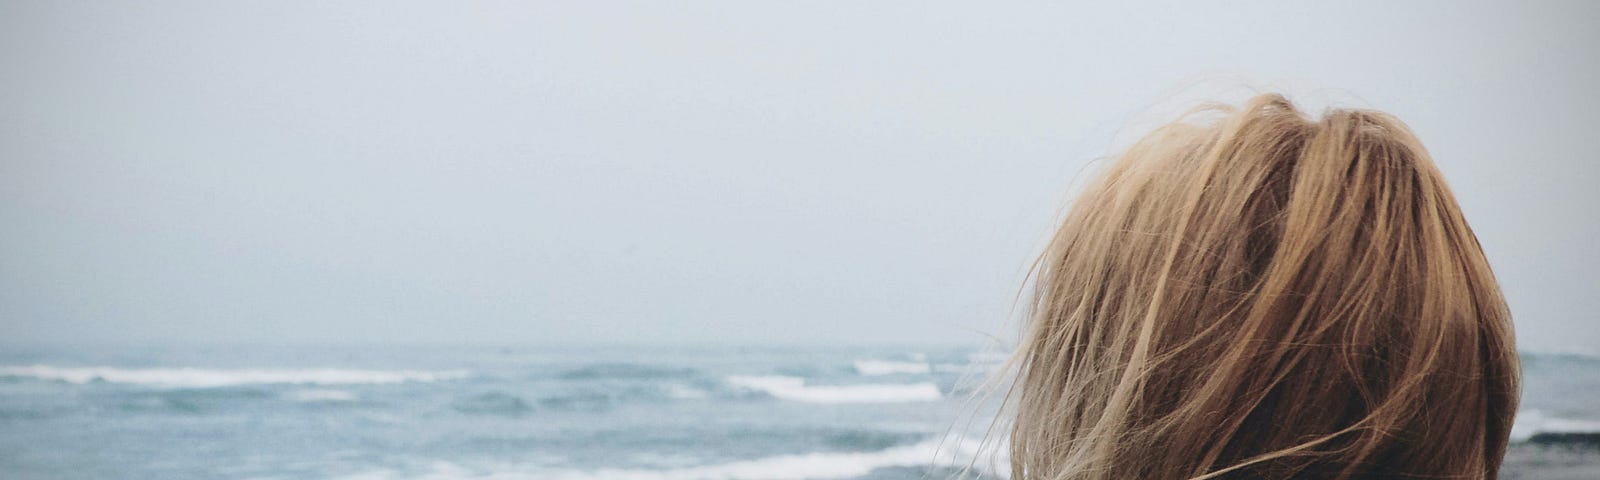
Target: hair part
[{"x": 1265, "y": 295}]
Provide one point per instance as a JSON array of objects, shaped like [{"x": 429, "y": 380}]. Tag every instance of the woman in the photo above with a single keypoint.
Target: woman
[{"x": 1265, "y": 295}]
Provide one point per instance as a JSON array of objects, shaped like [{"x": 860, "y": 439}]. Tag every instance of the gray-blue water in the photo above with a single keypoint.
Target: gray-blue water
[
  {"x": 557, "y": 413},
  {"x": 537, "y": 413}
]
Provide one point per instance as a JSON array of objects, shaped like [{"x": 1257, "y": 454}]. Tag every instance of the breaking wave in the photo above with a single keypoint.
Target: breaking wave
[
  {"x": 954, "y": 453},
  {"x": 795, "y": 389},
  {"x": 1534, "y": 423},
  {"x": 321, "y": 395},
  {"x": 885, "y": 367}
]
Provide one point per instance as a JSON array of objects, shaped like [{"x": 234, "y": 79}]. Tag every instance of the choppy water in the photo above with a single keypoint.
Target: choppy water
[
  {"x": 572, "y": 413},
  {"x": 545, "y": 413}
]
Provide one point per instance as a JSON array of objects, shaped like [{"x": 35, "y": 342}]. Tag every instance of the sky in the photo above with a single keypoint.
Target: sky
[{"x": 739, "y": 172}]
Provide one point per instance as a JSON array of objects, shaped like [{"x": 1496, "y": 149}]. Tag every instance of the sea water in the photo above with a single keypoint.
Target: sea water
[
  {"x": 541, "y": 413},
  {"x": 503, "y": 413}
]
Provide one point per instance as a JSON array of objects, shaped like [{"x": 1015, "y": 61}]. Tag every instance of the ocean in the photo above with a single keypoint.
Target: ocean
[{"x": 564, "y": 413}]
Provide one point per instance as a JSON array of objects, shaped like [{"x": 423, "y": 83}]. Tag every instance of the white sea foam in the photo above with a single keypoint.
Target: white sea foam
[
  {"x": 1534, "y": 422},
  {"x": 795, "y": 389},
  {"x": 322, "y": 395},
  {"x": 202, "y": 378},
  {"x": 684, "y": 392},
  {"x": 886, "y": 367},
  {"x": 957, "y": 452},
  {"x": 808, "y": 466}
]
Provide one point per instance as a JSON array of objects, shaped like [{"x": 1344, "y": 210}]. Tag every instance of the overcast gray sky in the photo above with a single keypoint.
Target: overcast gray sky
[{"x": 740, "y": 172}]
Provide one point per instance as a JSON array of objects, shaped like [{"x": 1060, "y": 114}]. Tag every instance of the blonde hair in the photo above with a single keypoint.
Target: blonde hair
[{"x": 1265, "y": 295}]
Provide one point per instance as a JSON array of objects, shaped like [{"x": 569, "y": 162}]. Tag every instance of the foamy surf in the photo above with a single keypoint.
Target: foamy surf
[
  {"x": 795, "y": 389},
  {"x": 205, "y": 378},
  {"x": 886, "y": 367},
  {"x": 322, "y": 395},
  {"x": 953, "y": 453},
  {"x": 810, "y": 466},
  {"x": 1534, "y": 422}
]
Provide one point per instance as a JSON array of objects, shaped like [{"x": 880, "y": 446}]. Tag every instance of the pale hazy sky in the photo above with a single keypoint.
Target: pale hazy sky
[{"x": 739, "y": 172}]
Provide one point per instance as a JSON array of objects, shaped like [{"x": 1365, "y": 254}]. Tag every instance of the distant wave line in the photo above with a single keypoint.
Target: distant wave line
[{"x": 205, "y": 378}]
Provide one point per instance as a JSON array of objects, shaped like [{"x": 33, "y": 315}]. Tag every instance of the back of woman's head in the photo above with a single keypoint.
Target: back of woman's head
[{"x": 1265, "y": 295}]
